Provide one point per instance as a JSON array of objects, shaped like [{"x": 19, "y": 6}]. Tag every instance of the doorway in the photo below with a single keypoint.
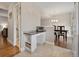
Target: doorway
[
  {"x": 17, "y": 21},
  {"x": 3, "y": 27}
]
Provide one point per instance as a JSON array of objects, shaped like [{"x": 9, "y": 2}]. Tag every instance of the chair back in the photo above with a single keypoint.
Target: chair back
[
  {"x": 60, "y": 27},
  {"x": 63, "y": 28}
]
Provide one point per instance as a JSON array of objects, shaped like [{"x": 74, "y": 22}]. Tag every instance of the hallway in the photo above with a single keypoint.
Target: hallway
[{"x": 6, "y": 49}]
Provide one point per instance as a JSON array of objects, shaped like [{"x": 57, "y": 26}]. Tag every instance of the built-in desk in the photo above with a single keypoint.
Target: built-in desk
[{"x": 33, "y": 38}]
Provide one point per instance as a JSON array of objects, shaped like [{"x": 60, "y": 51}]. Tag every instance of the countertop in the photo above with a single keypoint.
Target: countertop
[{"x": 33, "y": 32}]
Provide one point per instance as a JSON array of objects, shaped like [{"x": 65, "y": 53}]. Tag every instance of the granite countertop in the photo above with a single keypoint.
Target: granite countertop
[{"x": 32, "y": 32}]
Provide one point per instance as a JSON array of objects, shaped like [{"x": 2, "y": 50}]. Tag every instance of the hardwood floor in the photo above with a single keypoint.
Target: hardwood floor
[
  {"x": 6, "y": 49},
  {"x": 61, "y": 42}
]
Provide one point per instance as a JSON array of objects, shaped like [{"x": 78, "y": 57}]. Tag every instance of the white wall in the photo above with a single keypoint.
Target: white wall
[
  {"x": 63, "y": 20},
  {"x": 75, "y": 30},
  {"x": 30, "y": 18},
  {"x": 12, "y": 24},
  {"x": 78, "y": 29}
]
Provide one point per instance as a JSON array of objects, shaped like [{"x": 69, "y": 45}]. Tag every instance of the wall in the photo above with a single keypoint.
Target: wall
[
  {"x": 30, "y": 18},
  {"x": 75, "y": 31},
  {"x": 78, "y": 29},
  {"x": 12, "y": 24},
  {"x": 63, "y": 20}
]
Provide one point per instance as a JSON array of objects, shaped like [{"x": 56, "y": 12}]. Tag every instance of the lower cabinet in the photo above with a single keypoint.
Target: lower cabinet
[{"x": 33, "y": 41}]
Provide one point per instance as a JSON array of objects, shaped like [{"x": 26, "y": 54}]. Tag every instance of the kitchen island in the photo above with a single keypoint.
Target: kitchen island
[{"x": 34, "y": 38}]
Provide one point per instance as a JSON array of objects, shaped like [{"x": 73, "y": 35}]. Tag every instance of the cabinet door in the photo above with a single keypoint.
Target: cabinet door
[
  {"x": 41, "y": 38},
  {"x": 33, "y": 43}
]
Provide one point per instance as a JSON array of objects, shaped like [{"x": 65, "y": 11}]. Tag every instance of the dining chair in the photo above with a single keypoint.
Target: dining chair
[
  {"x": 56, "y": 38},
  {"x": 61, "y": 33},
  {"x": 63, "y": 27},
  {"x": 60, "y": 27}
]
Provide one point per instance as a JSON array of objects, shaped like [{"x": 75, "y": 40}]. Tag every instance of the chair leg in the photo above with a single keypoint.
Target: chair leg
[
  {"x": 55, "y": 39},
  {"x": 63, "y": 36}
]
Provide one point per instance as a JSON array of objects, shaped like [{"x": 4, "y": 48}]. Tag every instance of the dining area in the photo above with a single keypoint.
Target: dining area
[{"x": 60, "y": 36}]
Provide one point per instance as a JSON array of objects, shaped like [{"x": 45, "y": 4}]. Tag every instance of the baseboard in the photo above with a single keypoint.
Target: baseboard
[{"x": 10, "y": 42}]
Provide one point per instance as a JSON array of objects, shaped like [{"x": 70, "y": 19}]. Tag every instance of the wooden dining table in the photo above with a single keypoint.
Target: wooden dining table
[{"x": 65, "y": 31}]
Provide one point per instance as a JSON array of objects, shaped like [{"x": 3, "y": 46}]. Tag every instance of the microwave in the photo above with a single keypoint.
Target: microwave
[{"x": 39, "y": 29}]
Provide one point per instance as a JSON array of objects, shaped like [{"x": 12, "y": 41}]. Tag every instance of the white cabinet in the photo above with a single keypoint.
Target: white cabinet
[
  {"x": 33, "y": 40},
  {"x": 41, "y": 38},
  {"x": 33, "y": 43}
]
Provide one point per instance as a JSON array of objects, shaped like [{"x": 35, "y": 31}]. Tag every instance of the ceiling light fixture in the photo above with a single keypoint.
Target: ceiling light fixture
[{"x": 54, "y": 21}]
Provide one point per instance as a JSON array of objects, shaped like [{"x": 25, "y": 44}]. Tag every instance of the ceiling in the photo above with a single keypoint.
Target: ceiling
[
  {"x": 48, "y": 8},
  {"x": 6, "y": 4},
  {"x": 4, "y": 9},
  {"x": 54, "y": 8}
]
